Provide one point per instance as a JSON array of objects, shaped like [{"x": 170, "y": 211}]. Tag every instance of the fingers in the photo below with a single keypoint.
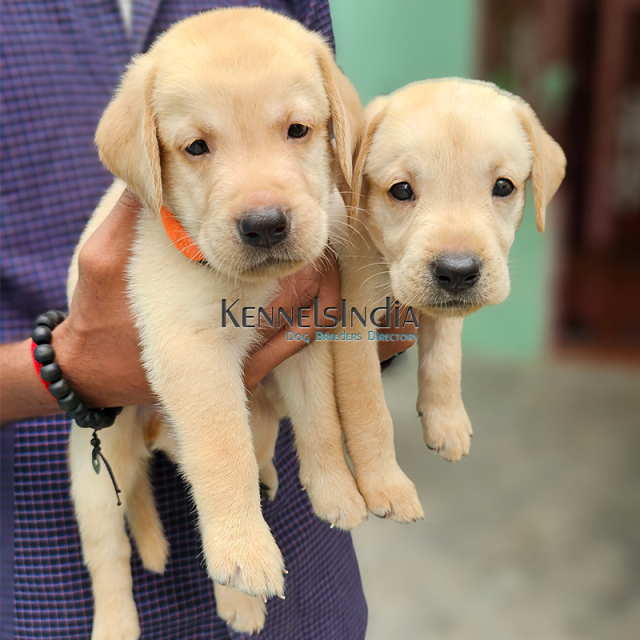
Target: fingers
[
  {"x": 111, "y": 241},
  {"x": 297, "y": 291},
  {"x": 320, "y": 280},
  {"x": 388, "y": 349},
  {"x": 268, "y": 357}
]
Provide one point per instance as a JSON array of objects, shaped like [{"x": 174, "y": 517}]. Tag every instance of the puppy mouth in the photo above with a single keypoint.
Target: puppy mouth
[
  {"x": 280, "y": 261},
  {"x": 273, "y": 264},
  {"x": 453, "y": 304}
]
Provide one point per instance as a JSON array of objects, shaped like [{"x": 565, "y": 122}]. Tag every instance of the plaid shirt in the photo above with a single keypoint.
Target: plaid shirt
[{"x": 61, "y": 60}]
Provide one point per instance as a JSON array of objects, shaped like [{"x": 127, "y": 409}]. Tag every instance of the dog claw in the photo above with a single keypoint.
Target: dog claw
[
  {"x": 332, "y": 525},
  {"x": 281, "y": 596},
  {"x": 264, "y": 599}
]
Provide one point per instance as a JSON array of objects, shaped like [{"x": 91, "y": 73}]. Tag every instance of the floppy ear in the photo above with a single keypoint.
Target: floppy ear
[
  {"x": 126, "y": 136},
  {"x": 549, "y": 162},
  {"x": 346, "y": 110},
  {"x": 373, "y": 116}
]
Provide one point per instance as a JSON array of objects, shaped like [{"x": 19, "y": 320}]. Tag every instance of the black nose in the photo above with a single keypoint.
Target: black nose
[
  {"x": 456, "y": 272},
  {"x": 263, "y": 227}
]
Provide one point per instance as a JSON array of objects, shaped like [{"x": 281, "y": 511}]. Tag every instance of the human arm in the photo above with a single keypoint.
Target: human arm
[{"x": 97, "y": 345}]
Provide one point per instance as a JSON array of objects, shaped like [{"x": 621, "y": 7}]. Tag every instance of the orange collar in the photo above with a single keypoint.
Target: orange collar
[{"x": 179, "y": 236}]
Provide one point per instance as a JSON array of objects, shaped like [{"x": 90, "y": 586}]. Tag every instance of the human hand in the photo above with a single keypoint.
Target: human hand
[
  {"x": 387, "y": 350},
  {"x": 97, "y": 345},
  {"x": 299, "y": 290}
]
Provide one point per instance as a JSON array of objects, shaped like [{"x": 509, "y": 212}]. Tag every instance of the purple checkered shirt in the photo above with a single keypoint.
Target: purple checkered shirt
[{"x": 61, "y": 60}]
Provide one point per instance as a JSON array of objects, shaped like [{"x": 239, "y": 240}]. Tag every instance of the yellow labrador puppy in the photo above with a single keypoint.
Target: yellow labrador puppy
[
  {"x": 439, "y": 192},
  {"x": 237, "y": 132}
]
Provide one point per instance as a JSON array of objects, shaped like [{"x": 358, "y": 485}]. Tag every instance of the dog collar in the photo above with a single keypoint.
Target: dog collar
[{"x": 182, "y": 241}]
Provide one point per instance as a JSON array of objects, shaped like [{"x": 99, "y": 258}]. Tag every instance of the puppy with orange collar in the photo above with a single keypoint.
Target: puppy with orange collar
[{"x": 236, "y": 131}]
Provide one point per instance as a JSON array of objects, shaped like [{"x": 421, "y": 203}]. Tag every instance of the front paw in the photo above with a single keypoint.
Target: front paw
[
  {"x": 336, "y": 499},
  {"x": 248, "y": 560},
  {"x": 447, "y": 431},
  {"x": 390, "y": 494},
  {"x": 243, "y": 613}
]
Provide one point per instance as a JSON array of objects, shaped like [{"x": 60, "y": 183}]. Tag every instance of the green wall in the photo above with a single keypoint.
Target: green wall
[{"x": 384, "y": 44}]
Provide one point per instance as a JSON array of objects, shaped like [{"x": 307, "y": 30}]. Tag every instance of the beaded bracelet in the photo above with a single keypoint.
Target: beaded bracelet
[{"x": 51, "y": 375}]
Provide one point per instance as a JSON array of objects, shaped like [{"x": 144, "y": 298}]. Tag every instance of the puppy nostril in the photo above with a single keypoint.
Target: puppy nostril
[
  {"x": 456, "y": 272},
  {"x": 263, "y": 227}
]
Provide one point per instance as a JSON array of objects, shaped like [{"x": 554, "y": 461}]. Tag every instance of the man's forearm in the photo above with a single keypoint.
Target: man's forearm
[{"x": 22, "y": 394}]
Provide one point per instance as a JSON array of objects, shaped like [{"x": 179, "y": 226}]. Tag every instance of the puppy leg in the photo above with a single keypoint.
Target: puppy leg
[
  {"x": 215, "y": 451},
  {"x": 445, "y": 424},
  {"x": 105, "y": 544},
  {"x": 368, "y": 431},
  {"x": 144, "y": 523},
  {"x": 265, "y": 425},
  {"x": 241, "y": 612},
  {"x": 307, "y": 385}
]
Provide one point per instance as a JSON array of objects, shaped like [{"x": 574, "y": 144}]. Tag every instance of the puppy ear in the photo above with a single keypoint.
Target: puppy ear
[
  {"x": 346, "y": 110},
  {"x": 374, "y": 114},
  {"x": 126, "y": 136},
  {"x": 549, "y": 162}
]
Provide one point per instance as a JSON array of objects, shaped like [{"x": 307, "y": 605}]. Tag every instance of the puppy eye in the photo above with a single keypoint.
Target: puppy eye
[
  {"x": 197, "y": 148},
  {"x": 502, "y": 188},
  {"x": 402, "y": 191},
  {"x": 297, "y": 130}
]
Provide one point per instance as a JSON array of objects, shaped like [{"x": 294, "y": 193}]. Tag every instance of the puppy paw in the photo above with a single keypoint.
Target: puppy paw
[
  {"x": 336, "y": 499},
  {"x": 390, "y": 494},
  {"x": 117, "y": 623},
  {"x": 248, "y": 560},
  {"x": 447, "y": 431},
  {"x": 241, "y": 612},
  {"x": 268, "y": 481}
]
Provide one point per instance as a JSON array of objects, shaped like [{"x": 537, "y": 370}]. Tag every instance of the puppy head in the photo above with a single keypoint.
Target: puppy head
[
  {"x": 241, "y": 123},
  {"x": 440, "y": 183}
]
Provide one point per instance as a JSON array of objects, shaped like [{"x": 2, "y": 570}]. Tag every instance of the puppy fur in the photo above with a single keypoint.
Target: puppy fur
[
  {"x": 451, "y": 140},
  {"x": 236, "y": 78}
]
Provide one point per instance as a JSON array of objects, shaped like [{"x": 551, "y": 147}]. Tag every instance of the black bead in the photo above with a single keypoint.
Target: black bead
[
  {"x": 88, "y": 422},
  {"x": 44, "y": 354},
  {"x": 51, "y": 372},
  {"x": 60, "y": 316},
  {"x": 60, "y": 388},
  {"x": 109, "y": 415},
  {"x": 78, "y": 412},
  {"x": 46, "y": 321},
  {"x": 55, "y": 318},
  {"x": 103, "y": 419},
  {"x": 112, "y": 412},
  {"x": 41, "y": 335},
  {"x": 69, "y": 401}
]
